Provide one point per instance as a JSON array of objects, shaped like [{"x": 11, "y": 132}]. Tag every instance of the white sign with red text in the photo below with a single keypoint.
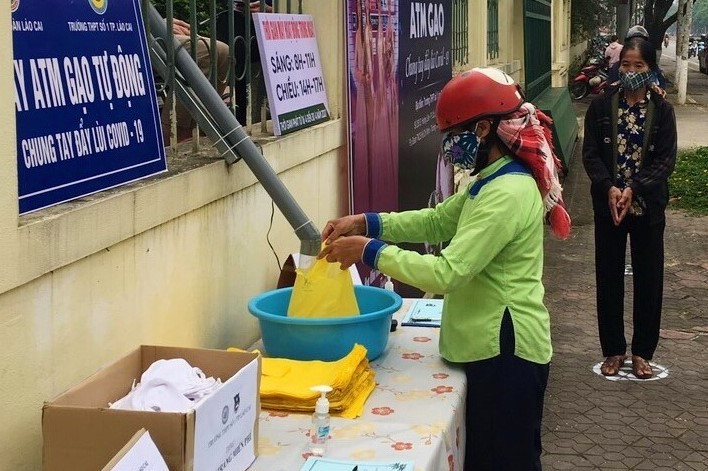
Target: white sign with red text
[{"x": 292, "y": 70}]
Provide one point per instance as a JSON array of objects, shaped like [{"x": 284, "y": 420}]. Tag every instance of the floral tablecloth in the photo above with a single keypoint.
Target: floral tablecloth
[{"x": 415, "y": 413}]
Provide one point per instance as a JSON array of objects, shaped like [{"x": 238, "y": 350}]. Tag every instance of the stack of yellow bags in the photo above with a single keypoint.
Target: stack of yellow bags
[{"x": 285, "y": 384}]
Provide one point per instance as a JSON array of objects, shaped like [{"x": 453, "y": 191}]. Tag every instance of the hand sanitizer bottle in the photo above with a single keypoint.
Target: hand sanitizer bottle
[
  {"x": 319, "y": 432},
  {"x": 389, "y": 284}
]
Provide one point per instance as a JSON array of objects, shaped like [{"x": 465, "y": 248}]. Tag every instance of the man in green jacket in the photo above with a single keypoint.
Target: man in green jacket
[{"x": 494, "y": 323}]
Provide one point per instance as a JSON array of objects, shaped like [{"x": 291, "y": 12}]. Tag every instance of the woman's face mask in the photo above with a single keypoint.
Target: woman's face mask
[
  {"x": 635, "y": 80},
  {"x": 461, "y": 148}
]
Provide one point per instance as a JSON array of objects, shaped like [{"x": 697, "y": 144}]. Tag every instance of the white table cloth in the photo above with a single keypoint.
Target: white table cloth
[{"x": 415, "y": 413}]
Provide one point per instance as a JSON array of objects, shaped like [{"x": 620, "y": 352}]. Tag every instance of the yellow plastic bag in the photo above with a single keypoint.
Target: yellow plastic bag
[{"x": 323, "y": 290}]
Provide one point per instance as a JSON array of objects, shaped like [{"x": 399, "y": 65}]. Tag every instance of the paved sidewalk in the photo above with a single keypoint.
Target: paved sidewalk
[{"x": 594, "y": 423}]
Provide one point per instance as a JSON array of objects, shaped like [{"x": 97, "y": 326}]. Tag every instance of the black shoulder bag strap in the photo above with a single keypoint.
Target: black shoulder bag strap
[
  {"x": 613, "y": 120},
  {"x": 648, "y": 122}
]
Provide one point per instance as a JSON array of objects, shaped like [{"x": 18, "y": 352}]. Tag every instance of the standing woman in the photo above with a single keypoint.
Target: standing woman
[
  {"x": 629, "y": 152},
  {"x": 494, "y": 323}
]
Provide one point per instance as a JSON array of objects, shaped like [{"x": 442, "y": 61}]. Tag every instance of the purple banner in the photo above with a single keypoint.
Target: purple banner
[{"x": 399, "y": 58}]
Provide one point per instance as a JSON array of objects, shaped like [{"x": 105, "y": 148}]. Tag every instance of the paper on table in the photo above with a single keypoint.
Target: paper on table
[
  {"x": 315, "y": 463},
  {"x": 424, "y": 313}
]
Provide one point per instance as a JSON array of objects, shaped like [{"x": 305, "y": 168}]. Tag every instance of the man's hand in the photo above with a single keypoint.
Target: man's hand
[
  {"x": 345, "y": 250},
  {"x": 256, "y": 7},
  {"x": 181, "y": 27},
  {"x": 657, "y": 89}
]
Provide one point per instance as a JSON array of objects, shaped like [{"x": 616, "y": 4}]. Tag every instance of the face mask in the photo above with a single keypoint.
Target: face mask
[
  {"x": 461, "y": 148},
  {"x": 482, "y": 157},
  {"x": 635, "y": 80}
]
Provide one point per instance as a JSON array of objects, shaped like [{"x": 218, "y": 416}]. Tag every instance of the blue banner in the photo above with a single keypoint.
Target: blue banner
[{"x": 85, "y": 102}]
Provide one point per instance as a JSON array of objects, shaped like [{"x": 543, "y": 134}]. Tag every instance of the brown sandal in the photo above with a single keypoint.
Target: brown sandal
[
  {"x": 612, "y": 364},
  {"x": 641, "y": 367}
]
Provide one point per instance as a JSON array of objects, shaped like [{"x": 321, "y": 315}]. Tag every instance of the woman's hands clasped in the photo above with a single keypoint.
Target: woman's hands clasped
[
  {"x": 620, "y": 201},
  {"x": 344, "y": 242}
]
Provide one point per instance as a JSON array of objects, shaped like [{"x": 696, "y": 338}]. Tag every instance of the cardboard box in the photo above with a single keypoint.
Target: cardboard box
[{"x": 81, "y": 433}]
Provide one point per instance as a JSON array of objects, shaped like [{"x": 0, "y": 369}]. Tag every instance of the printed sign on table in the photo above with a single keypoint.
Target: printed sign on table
[
  {"x": 224, "y": 437},
  {"x": 85, "y": 102},
  {"x": 292, "y": 71},
  {"x": 139, "y": 454}
]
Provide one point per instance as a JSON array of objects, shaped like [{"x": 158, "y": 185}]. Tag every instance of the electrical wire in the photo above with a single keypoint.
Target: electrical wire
[{"x": 270, "y": 226}]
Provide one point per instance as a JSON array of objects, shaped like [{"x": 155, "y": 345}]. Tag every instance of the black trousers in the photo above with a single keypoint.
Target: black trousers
[
  {"x": 647, "y": 250},
  {"x": 504, "y": 409}
]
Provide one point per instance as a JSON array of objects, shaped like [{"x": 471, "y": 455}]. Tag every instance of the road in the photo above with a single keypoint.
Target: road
[{"x": 670, "y": 53}]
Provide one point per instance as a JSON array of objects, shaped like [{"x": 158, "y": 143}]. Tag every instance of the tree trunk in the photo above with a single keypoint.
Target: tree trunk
[
  {"x": 683, "y": 30},
  {"x": 622, "y": 18},
  {"x": 654, "y": 13}
]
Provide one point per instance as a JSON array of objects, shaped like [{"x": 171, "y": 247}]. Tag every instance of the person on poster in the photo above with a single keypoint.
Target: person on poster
[
  {"x": 629, "y": 152},
  {"x": 494, "y": 324},
  {"x": 361, "y": 96},
  {"x": 387, "y": 104},
  {"x": 390, "y": 80},
  {"x": 375, "y": 108}
]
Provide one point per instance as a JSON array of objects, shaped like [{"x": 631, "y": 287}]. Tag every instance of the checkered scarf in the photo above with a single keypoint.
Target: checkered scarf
[{"x": 527, "y": 134}]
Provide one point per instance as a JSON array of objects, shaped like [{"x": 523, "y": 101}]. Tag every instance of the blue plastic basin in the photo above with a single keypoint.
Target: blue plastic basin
[{"x": 325, "y": 339}]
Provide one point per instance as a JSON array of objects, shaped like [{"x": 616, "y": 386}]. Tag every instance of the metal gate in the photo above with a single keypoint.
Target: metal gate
[{"x": 537, "y": 46}]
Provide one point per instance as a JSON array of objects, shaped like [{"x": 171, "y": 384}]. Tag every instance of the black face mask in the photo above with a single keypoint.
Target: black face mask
[
  {"x": 484, "y": 148},
  {"x": 482, "y": 157}
]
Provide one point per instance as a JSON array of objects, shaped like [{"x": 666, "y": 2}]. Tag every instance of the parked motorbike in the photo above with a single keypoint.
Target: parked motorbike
[
  {"x": 692, "y": 48},
  {"x": 592, "y": 78}
]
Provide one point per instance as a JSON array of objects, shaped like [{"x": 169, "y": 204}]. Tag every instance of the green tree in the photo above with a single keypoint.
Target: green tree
[
  {"x": 657, "y": 18},
  {"x": 181, "y": 9},
  {"x": 586, "y": 16},
  {"x": 700, "y": 18}
]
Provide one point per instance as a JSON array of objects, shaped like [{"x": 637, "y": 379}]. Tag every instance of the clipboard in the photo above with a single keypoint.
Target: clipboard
[
  {"x": 316, "y": 463},
  {"x": 423, "y": 313}
]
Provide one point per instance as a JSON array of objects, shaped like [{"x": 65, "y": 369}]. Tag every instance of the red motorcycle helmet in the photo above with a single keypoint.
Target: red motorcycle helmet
[{"x": 477, "y": 93}]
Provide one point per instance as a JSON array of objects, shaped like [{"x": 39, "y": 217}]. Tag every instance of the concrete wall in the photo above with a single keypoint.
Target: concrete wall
[
  {"x": 169, "y": 261},
  {"x": 477, "y": 27},
  {"x": 560, "y": 37},
  {"x": 577, "y": 54},
  {"x": 511, "y": 38}
]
